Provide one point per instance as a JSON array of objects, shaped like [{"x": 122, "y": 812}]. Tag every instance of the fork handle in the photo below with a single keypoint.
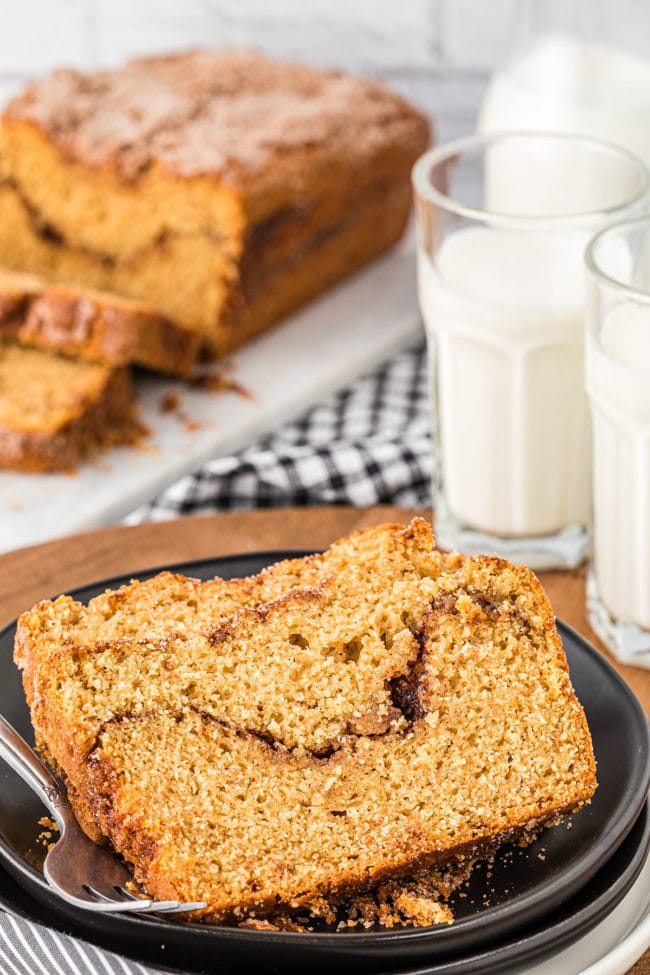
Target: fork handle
[{"x": 24, "y": 760}]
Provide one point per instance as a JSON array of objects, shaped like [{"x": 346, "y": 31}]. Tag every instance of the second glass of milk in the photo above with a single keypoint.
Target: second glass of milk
[
  {"x": 618, "y": 383},
  {"x": 503, "y": 222}
]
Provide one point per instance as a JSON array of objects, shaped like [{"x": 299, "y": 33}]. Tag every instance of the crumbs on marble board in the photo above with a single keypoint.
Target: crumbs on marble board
[{"x": 172, "y": 403}]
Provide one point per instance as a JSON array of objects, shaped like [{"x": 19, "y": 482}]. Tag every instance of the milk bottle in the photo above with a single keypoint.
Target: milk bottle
[{"x": 566, "y": 84}]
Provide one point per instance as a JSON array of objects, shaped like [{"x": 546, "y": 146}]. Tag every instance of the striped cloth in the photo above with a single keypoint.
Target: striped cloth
[
  {"x": 30, "y": 949},
  {"x": 369, "y": 444}
]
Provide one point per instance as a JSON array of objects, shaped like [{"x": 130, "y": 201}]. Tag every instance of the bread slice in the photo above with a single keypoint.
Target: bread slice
[
  {"x": 95, "y": 325},
  {"x": 55, "y": 411},
  {"x": 403, "y": 714}
]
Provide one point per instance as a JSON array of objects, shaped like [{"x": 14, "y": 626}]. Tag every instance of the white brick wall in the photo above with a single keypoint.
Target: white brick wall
[
  {"x": 438, "y": 52},
  {"x": 475, "y": 35},
  {"x": 43, "y": 32},
  {"x": 349, "y": 34}
]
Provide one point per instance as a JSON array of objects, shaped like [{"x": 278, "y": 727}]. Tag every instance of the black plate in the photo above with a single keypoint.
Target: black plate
[{"x": 523, "y": 887}]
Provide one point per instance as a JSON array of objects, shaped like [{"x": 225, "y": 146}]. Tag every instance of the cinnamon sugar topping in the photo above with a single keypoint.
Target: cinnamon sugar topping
[{"x": 227, "y": 112}]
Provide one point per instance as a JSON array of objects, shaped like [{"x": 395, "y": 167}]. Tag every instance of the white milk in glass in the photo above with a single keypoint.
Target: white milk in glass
[
  {"x": 563, "y": 84},
  {"x": 618, "y": 380},
  {"x": 552, "y": 176},
  {"x": 505, "y": 309}
]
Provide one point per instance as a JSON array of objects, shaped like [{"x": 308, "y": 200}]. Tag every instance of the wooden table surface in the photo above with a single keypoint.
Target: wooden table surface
[{"x": 28, "y": 575}]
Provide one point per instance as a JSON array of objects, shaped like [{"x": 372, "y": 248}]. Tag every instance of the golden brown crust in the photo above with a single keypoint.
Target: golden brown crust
[{"x": 269, "y": 288}]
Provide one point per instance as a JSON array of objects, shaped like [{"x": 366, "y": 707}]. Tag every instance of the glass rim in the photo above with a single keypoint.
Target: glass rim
[
  {"x": 602, "y": 276},
  {"x": 421, "y": 182}
]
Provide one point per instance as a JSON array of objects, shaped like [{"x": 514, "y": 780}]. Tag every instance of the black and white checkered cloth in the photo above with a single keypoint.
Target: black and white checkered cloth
[{"x": 369, "y": 444}]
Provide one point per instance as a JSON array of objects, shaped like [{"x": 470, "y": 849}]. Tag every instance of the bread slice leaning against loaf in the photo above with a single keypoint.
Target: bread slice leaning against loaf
[
  {"x": 96, "y": 325},
  {"x": 405, "y": 711}
]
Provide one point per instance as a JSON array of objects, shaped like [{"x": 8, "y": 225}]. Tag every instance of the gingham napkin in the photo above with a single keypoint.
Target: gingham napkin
[{"x": 369, "y": 444}]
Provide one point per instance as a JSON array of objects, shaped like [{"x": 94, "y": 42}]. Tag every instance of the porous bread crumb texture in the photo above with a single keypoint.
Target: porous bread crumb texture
[
  {"x": 56, "y": 411},
  {"x": 224, "y": 188},
  {"x": 354, "y": 727}
]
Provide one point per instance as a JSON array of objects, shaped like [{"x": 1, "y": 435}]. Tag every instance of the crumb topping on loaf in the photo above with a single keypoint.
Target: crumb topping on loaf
[
  {"x": 228, "y": 112},
  {"x": 381, "y": 714}
]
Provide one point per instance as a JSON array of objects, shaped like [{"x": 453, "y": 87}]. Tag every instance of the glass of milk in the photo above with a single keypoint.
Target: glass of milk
[
  {"x": 618, "y": 384},
  {"x": 503, "y": 222}
]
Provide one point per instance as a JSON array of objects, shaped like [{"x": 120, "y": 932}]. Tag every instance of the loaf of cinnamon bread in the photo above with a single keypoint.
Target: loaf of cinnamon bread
[
  {"x": 378, "y": 714},
  {"x": 224, "y": 189}
]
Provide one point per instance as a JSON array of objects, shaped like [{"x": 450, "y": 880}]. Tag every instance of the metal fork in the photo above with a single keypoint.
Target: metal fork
[{"x": 80, "y": 872}]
